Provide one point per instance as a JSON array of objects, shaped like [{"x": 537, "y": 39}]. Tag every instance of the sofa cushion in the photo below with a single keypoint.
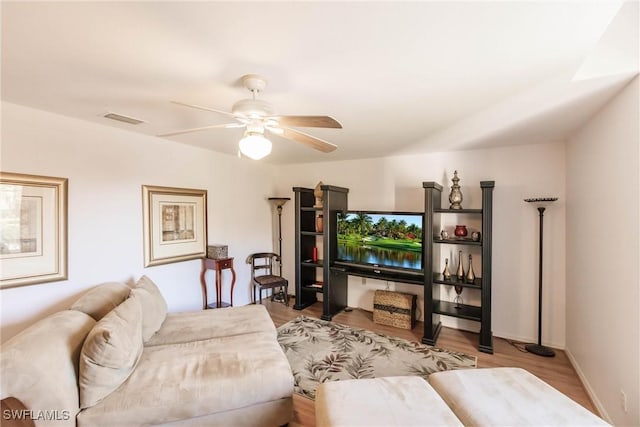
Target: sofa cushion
[
  {"x": 508, "y": 397},
  {"x": 101, "y": 299},
  {"x": 206, "y": 324},
  {"x": 39, "y": 365},
  {"x": 153, "y": 304},
  {"x": 388, "y": 401},
  {"x": 110, "y": 352},
  {"x": 180, "y": 381}
]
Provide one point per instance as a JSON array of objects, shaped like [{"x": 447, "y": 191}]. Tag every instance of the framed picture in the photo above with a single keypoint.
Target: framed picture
[
  {"x": 175, "y": 224},
  {"x": 33, "y": 229}
]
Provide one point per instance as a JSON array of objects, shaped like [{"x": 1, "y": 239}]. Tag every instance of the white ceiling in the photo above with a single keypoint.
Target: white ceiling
[{"x": 401, "y": 77}]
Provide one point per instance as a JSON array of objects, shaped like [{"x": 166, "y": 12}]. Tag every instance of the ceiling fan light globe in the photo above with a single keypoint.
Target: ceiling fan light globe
[{"x": 255, "y": 146}]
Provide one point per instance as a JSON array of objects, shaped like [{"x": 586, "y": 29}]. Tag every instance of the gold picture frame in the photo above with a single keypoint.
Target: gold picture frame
[
  {"x": 33, "y": 229},
  {"x": 174, "y": 224}
]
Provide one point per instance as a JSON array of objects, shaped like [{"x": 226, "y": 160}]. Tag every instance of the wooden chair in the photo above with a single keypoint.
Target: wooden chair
[{"x": 262, "y": 277}]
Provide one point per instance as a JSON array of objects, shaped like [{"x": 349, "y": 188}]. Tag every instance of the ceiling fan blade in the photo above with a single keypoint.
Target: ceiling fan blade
[
  {"x": 308, "y": 140},
  {"x": 200, "y": 107},
  {"x": 308, "y": 121},
  {"x": 179, "y": 132}
]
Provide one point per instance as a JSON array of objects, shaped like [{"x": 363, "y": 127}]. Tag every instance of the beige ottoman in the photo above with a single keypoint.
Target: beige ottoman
[
  {"x": 389, "y": 401},
  {"x": 508, "y": 397}
]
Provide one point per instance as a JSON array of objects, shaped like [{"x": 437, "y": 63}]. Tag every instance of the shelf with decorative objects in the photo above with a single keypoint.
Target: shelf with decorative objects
[
  {"x": 454, "y": 281},
  {"x": 316, "y": 247},
  {"x": 458, "y": 242},
  {"x": 463, "y": 278}
]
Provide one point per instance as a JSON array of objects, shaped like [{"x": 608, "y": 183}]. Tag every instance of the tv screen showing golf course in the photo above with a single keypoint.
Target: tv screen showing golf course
[{"x": 385, "y": 239}]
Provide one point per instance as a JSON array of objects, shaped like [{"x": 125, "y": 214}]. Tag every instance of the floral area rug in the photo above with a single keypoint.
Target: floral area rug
[{"x": 320, "y": 351}]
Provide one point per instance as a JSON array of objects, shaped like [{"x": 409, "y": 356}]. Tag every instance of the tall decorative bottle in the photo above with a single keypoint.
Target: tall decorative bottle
[
  {"x": 446, "y": 273},
  {"x": 460, "y": 271},
  {"x": 470, "y": 275},
  {"x": 460, "y": 275}
]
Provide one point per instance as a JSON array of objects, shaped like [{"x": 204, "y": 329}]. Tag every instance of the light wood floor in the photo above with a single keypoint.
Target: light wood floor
[{"x": 557, "y": 371}]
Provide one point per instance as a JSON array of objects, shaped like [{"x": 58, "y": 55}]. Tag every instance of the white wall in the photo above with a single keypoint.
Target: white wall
[
  {"x": 395, "y": 183},
  {"x": 106, "y": 168},
  {"x": 603, "y": 292}
]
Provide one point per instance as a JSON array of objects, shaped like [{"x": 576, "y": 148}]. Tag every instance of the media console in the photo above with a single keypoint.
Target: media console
[{"x": 412, "y": 277}]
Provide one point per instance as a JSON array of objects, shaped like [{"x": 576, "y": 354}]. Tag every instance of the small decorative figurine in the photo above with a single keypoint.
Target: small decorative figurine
[
  {"x": 475, "y": 236},
  {"x": 455, "y": 197},
  {"x": 317, "y": 192},
  {"x": 444, "y": 235}
]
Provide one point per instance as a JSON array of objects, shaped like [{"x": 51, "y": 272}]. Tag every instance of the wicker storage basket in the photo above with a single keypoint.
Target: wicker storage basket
[{"x": 394, "y": 309}]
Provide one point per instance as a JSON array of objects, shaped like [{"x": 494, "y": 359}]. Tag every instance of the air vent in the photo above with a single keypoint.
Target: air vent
[{"x": 121, "y": 118}]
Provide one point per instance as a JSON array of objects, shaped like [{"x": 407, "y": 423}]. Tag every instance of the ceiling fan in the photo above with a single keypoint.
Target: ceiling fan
[{"x": 258, "y": 116}]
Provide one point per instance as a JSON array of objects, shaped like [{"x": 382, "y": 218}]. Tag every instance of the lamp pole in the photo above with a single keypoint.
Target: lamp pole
[
  {"x": 280, "y": 238},
  {"x": 538, "y": 348},
  {"x": 279, "y": 202}
]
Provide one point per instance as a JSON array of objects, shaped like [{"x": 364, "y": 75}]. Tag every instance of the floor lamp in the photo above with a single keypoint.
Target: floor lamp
[
  {"x": 541, "y": 203},
  {"x": 279, "y": 203}
]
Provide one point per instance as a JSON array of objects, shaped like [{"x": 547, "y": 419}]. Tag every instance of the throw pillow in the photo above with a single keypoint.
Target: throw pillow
[
  {"x": 101, "y": 299},
  {"x": 153, "y": 304},
  {"x": 110, "y": 352}
]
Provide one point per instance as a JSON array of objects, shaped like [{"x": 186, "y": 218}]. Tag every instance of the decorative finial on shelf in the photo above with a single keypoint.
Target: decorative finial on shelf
[
  {"x": 455, "y": 197},
  {"x": 317, "y": 192}
]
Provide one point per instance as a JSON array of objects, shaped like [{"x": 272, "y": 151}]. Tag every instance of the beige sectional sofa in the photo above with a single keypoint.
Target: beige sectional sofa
[{"x": 117, "y": 358}]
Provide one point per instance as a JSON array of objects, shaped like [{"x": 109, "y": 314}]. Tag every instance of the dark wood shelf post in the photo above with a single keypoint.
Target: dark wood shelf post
[
  {"x": 486, "y": 334},
  {"x": 430, "y": 224}
]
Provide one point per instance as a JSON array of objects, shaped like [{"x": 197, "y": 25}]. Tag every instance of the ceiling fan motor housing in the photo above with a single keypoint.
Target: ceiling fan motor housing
[{"x": 252, "y": 109}]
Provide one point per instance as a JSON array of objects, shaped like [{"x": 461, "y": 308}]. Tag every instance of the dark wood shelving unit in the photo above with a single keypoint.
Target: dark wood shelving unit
[
  {"x": 433, "y": 306},
  {"x": 335, "y": 275},
  {"x": 334, "y": 281}
]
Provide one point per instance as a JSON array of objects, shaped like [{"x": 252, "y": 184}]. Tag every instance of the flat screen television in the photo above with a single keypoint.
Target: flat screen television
[{"x": 380, "y": 240}]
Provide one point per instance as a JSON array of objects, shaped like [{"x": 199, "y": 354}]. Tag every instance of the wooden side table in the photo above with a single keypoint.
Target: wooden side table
[{"x": 217, "y": 265}]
